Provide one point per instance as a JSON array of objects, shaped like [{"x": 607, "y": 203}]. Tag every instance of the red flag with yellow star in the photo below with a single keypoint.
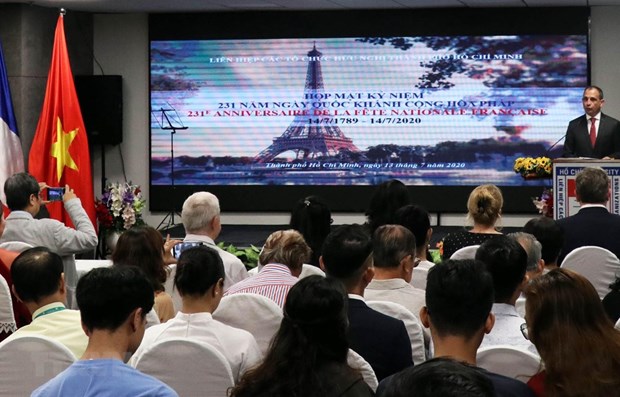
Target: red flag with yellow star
[{"x": 59, "y": 153}]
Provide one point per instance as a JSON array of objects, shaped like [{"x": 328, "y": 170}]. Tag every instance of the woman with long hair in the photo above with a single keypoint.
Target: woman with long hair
[
  {"x": 308, "y": 355},
  {"x": 312, "y": 218},
  {"x": 484, "y": 208},
  {"x": 144, "y": 247},
  {"x": 579, "y": 347}
]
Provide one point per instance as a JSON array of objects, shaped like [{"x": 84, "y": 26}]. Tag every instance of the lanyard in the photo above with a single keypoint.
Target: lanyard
[{"x": 48, "y": 311}]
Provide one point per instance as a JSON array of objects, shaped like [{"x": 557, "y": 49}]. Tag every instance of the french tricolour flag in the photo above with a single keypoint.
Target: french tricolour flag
[{"x": 11, "y": 155}]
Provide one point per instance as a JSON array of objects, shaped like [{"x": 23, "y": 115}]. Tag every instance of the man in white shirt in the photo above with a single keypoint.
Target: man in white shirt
[
  {"x": 506, "y": 260},
  {"x": 201, "y": 219},
  {"x": 417, "y": 220},
  {"x": 199, "y": 279},
  {"x": 393, "y": 254},
  {"x": 38, "y": 281}
]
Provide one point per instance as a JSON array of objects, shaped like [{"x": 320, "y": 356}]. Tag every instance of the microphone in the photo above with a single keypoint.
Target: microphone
[{"x": 554, "y": 145}]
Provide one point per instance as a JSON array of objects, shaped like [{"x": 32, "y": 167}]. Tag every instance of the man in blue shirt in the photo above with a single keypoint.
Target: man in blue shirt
[{"x": 113, "y": 303}]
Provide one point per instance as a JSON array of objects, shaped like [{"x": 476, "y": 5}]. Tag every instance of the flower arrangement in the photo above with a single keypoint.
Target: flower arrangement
[
  {"x": 544, "y": 203},
  {"x": 120, "y": 207},
  {"x": 530, "y": 166}
]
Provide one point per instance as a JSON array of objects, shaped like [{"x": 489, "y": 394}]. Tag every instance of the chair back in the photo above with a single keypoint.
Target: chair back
[
  {"x": 412, "y": 324},
  {"x": 177, "y": 302},
  {"x": 509, "y": 361},
  {"x": 254, "y": 313},
  {"x": 309, "y": 270},
  {"x": 28, "y": 361},
  {"x": 7, "y": 316},
  {"x": 16, "y": 246},
  {"x": 190, "y": 368},
  {"x": 597, "y": 264},
  {"x": 468, "y": 252},
  {"x": 618, "y": 324},
  {"x": 358, "y": 363},
  {"x": 418, "y": 279}
]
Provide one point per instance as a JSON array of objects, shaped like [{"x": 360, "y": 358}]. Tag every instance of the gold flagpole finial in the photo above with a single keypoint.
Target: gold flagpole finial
[{"x": 63, "y": 12}]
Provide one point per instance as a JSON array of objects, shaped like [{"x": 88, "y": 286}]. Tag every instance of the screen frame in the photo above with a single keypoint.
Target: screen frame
[{"x": 358, "y": 23}]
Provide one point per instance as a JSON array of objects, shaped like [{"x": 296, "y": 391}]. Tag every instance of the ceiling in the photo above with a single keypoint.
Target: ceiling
[{"x": 114, "y": 6}]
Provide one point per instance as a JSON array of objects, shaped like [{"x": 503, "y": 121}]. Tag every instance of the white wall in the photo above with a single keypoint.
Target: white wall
[{"x": 121, "y": 47}]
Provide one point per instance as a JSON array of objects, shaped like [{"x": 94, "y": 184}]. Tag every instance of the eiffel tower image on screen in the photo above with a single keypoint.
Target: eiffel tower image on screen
[{"x": 310, "y": 140}]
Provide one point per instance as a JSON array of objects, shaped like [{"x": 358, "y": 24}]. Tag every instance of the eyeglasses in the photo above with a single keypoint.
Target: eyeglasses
[{"x": 524, "y": 331}]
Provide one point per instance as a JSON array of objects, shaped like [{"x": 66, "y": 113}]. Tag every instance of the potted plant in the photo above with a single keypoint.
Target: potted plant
[{"x": 119, "y": 209}]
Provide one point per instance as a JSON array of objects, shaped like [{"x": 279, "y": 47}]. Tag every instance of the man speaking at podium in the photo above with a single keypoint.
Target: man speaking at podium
[{"x": 593, "y": 135}]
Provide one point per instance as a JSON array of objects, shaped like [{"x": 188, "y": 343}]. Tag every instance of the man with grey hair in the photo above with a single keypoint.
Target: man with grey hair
[
  {"x": 201, "y": 219},
  {"x": 394, "y": 257},
  {"x": 533, "y": 249},
  {"x": 593, "y": 224}
]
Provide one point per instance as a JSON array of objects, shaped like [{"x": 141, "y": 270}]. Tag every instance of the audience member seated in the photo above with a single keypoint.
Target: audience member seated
[
  {"x": 312, "y": 218},
  {"x": 533, "y": 250},
  {"x": 201, "y": 219},
  {"x": 143, "y": 247},
  {"x": 576, "y": 340},
  {"x": 20, "y": 311},
  {"x": 440, "y": 376},
  {"x": 418, "y": 221},
  {"x": 23, "y": 197},
  {"x": 308, "y": 356},
  {"x": 611, "y": 302},
  {"x": 283, "y": 254},
  {"x": 393, "y": 254},
  {"x": 484, "y": 208},
  {"x": 38, "y": 281},
  {"x": 506, "y": 260},
  {"x": 113, "y": 302},
  {"x": 593, "y": 224},
  {"x": 381, "y": 340},
  {"x": 551, "y": 238},
  {"x": 459, "y": 297},
  {"x": 386, "y": 200},
  {"x": 199, "y": 279}
]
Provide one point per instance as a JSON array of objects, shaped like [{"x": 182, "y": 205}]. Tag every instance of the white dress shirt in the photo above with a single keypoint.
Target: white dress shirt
[
  {"x": 507, "y": 329},
  {"x": 233, "y": 267},
  {"x": 238, "y": 346}
]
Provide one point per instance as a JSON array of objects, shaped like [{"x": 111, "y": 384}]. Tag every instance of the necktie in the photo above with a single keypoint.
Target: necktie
[{"x": 593, "y": 131}]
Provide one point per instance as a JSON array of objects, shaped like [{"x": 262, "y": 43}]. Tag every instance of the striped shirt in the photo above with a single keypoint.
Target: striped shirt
[{"x": 273, "y": 281}]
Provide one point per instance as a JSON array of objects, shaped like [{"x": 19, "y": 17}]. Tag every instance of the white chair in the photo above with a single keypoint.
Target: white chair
[
  {"x": 358, "y": 363},
  {"x": 7, "y": 317},
  {"x": 254, "y": 313},
  {"x": 468, "y": 252},
  {"x": 27, "y": 362},
  {"x": 191, "y": 368},
  {"x": 618, "y": 324},
  {"x": 177, "y": 302},
  {"x": 83, "y": 266},
  {"x": 597, "y": 264},
  {"x": 509, "y": 361},
  {"x": 412, "y": 324},
  {"x": 309, "y": 270},
  {"x": 420, "y": 272},
  {"x": 16, "y": 246}
]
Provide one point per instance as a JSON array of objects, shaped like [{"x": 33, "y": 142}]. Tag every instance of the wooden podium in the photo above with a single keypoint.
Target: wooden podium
[{"x": 564, "y": 172}]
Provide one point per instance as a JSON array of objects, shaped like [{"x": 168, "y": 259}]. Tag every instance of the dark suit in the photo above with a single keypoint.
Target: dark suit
[
  {"x": 591, "y": 226},
  {"x": 381, "y": 340},
  {"x": 577, "y": 142}
]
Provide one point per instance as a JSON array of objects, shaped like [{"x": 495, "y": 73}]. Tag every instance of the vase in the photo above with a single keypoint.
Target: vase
[{"x": 111, "y": 239}]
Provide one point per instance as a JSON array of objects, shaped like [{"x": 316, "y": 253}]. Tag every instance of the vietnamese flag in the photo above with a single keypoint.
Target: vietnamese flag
[{"x": 59, "y": 153}]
